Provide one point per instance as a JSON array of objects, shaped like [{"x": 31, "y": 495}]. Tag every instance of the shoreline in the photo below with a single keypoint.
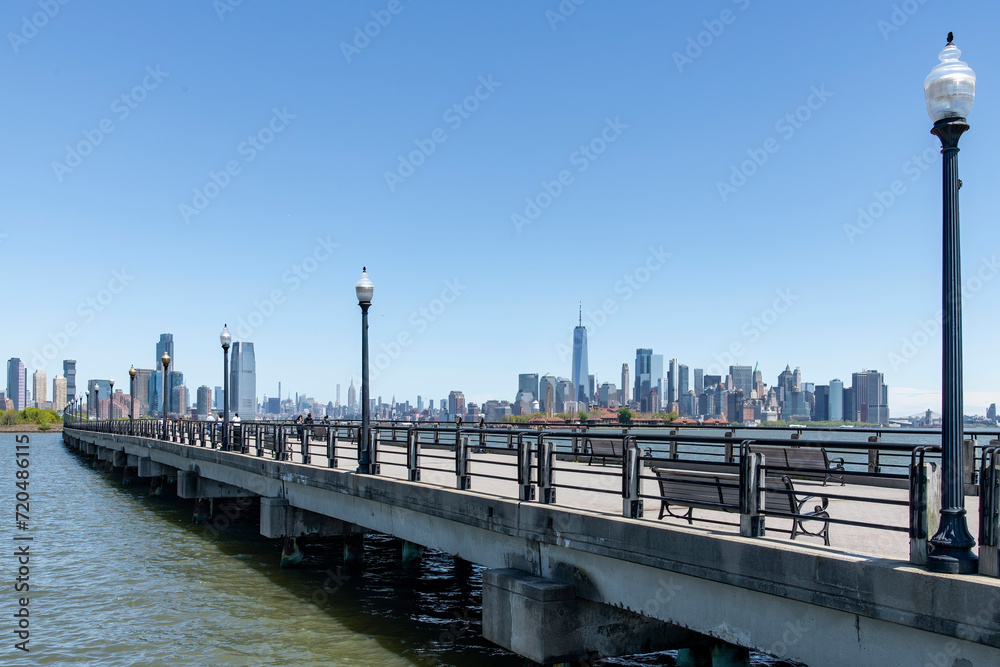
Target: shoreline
[{"x": 31, "y": 428}]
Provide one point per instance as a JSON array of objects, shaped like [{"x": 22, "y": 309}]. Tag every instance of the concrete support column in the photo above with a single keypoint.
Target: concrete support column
[
  {"x": 412, "y": 553},
  {"x": 354, "y": 549},
  {"x": 543, "y": 620},
  {"x": 291, "y": 553}
]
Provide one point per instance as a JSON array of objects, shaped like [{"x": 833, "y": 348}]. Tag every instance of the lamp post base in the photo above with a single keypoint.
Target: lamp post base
[
  {"x": 958, "y": 563},
  {"x": 363, "y": 470},
  {"x": 951, "y": 548}
]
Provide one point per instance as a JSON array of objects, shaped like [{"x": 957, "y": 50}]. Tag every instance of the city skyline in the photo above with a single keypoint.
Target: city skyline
[{"x": 795, "y": 245}]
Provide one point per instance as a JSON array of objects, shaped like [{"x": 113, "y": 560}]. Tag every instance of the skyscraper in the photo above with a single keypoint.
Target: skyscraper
[
  {"x": 581, "y": 372},
  {"x": 547, "y": 394},
  {"x": 59, "y": 393},
  {"x": 625, "y": 385},
  {"x": 673, "y": 381},
  {"x": 528, "y": 382},
  {"x": 870, "y": 396},
  {"x": 836, "y": 400},
  {"x": 154, "y": 392},
  {"x": 204, "y": 405},
  {"x": 165, "y": 344},
  {"x": 39, "y": 382},
  {"x": 643, "y": 378},
  {"x": 742, "y": 378},
  {"x": 456, "y": 403},
  {"x": 17, "y": 383},
  {"x": 243, "y": 380},
  {"x": 69, "y": 371},
  {"x": 352, "y": 397},
  {"x": 699, "y": 381}
]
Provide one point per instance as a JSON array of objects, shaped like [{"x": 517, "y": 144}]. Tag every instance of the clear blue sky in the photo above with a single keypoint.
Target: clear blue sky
[{"x": 331, "y": 113}]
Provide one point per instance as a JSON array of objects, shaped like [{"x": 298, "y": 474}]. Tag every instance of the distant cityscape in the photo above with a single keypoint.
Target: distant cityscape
[{"x": 653, "y": 387}]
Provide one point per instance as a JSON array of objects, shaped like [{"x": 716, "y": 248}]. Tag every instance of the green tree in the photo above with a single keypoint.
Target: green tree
[
  {"x": 624, "y": 416},
  {"x": 583, "y": 415}
]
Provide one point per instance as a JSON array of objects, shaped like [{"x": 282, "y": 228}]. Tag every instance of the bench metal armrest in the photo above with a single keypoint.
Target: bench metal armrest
[{"x": 801, "y": 500}]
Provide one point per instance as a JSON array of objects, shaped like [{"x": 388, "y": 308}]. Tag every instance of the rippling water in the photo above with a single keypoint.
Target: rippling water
[{"x": 118, "y": 578}]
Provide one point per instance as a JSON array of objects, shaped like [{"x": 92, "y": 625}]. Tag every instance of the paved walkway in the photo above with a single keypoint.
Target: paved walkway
[{"x": 598, "y": 488}]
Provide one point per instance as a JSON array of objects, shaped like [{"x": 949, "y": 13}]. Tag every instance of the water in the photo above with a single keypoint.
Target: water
[{"x": 119, "y": 578}]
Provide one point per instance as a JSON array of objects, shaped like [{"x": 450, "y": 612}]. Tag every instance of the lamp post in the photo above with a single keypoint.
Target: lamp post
[
  {"x": 950, "y": 90},
  {"x": 97, "y": 402},
  {"x": 226, "y": 339},
  {"x": 111, "y": 399},
  {"x": 165, "y": 360},
  {"x": 364, "y": 289},
  {"x": 131, "y": 394}
]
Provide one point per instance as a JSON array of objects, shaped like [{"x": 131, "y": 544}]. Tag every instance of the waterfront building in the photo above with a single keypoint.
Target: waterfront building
[
  {"x": 204, "y": 404},
  {"x": 608, "y": 395},
  {"x": 165, "y": 344},
  {"x": 836, "y": 400},
  {"x": 456, "y": 403},
  {"x": 625, "y": 385},
  {"x": 17, "y": 383},
  {"x": 742, "y": 378},
  {"x": 547, "y": 394},
  {"x": 59, "y": 393},
  {"x": 39, "y": 382},
  {"x": 821, "y": 403},
  {"x": 243, "y": 380},
  {"x": 69, "y": 372},
  {"x": 528, "y": 382},
  {"x": 643, "y": 376},
  {"x": 141, "y": 398},
  {"x": 581, "y": 373},
  {"x": 871, "y": 397}
]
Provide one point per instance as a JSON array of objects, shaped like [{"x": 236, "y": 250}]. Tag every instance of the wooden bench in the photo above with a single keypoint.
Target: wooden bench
[
  {"x": 604, "y": 448},
  {"x": 721, "y": 492},
  {"x": 807, "y": 462}
]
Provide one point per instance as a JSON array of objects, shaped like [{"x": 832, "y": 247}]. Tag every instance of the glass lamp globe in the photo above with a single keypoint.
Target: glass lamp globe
[
  {"x": 950, "y": 88},
  {"x": 225, "y": 337},
  {"x": 364, "y": 287}
]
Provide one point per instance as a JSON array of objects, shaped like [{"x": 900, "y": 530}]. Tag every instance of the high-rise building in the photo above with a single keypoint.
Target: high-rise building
[
  {"x": 528, "y": 383},
  {"x": 17, "y": 383},
  {"x": 141, "y": 398},
  {"x": 243, "y": 380},
  {"x": 154, "y": 392},
  {"x": 836, "y": 400},
  {"x": 655, "y": 375},
  {"x": 742, "y": 378},
  {"x": 39, "y": 387},
  {"x": 821, "y": 403},
  {"x": 699, "y": 381},
  {"x": 175, "y": 380},
  {"x": 991, "y": 412},
  {"x": 352, "y": 397},
  {"x": 643, "y": 377},
  {"x": 337, "y": 404},
  {"x": 165, "y": 344},
  {"x": 218, "y": 402},
  {"x": 59, "y": 393},
  {"x": 456, "y": 403},
  {"x": 871, "y": 396},
  {"x": 626, "y": 385},
  {"x": 179, "y": 398},
  {"x": 204, "y": 405},
  {"x": 581, "y": 372},
  {"x": 547, "y": 394},
  {"x": 682, "y": 381},
  {"x": 69, "y": 371},
  {"x": 673, "y": 381},
  {"x": 608, "y": 395}
]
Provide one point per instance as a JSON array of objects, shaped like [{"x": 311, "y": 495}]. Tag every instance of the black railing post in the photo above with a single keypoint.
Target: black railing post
[{"x": 751, "y": 484}]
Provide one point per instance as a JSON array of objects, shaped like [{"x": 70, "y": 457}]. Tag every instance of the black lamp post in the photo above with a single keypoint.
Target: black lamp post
[
  {"x": 165, "y": 360},
  {"x": 950, "y": 90},
  {"x": 364, "y": 289},
  {"x": 131, "y": 394},
  {"x": 226, "y": 339},
  {"x": 97, "y": 402},
  {"x": 111, "y": 400}
]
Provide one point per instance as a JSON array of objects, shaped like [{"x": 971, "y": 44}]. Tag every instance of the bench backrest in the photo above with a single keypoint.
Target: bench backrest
[
  {"x": 695, "y": 487},
  {"x": 774, "y": 497},
  {"x": 605, "y": 447},
  {"x": 807, "y": 457}
]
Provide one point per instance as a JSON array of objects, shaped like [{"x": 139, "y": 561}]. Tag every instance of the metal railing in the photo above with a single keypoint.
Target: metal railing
[{"x": 540, "y": 465}]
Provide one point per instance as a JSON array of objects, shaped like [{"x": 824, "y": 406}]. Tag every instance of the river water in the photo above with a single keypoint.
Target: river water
[{"x": 120, "y": 578}]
